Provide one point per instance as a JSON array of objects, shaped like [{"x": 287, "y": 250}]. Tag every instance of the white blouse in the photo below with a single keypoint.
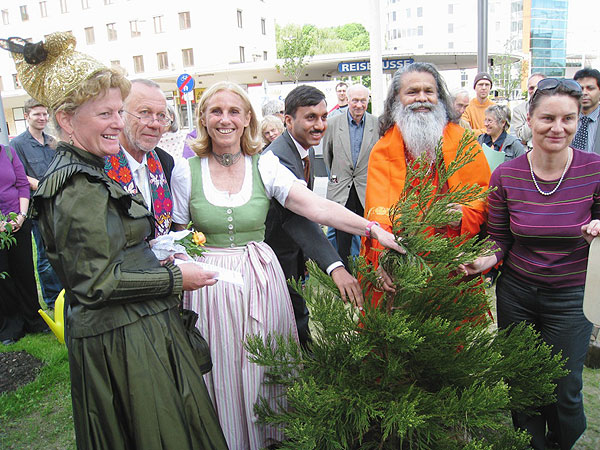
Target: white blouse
[{"x": 277, "y": 179}]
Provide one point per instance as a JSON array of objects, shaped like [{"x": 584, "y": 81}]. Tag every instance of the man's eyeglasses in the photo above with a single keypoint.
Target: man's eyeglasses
[
  {"x": 146, "y": 118},
  {"x": 548, "y": 84}
]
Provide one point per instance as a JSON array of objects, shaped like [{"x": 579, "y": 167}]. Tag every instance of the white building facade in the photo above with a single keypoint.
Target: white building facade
[{"x": 154, "y": 39}]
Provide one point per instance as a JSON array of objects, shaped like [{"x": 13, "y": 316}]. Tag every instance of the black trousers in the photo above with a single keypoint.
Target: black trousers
[
  {"x": 557, "y": 314},
  {"x": 19, "y": 300},
  {"x": 344, "y": 240}
]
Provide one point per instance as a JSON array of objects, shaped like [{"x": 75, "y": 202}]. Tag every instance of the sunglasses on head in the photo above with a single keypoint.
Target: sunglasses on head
[{"x": 548, "y": 84}]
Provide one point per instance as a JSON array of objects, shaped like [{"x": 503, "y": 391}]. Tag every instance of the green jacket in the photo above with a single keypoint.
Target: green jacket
[{"x": 95, "y": 234}]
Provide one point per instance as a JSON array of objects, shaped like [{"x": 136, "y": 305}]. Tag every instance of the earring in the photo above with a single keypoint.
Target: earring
[{"x": 71, "y": 139}]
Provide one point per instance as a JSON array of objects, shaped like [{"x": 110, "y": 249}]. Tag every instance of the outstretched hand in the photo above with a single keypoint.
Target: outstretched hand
[
  {"x": 387, "y": 239},
  {"x": 349, "y": 286},
  {"x": 479, "y": 265},
  {"x": 194, "y": 277},
  {"x": 591, "y": 230}
]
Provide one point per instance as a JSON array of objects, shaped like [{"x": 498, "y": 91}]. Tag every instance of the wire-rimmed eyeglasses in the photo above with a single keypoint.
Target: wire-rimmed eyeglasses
[{"x": 146, "y": 118}]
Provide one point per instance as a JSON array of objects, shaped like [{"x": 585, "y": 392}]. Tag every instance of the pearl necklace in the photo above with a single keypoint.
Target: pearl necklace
[{"x": 559, "y": 181}]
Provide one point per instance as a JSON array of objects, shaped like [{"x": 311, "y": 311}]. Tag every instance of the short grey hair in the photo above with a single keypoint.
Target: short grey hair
[
  {"x": 500, "y": 114},
  {"x": 273, "y": 106}
]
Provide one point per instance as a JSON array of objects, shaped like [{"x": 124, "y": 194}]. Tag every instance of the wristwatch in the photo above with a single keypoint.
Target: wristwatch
[{"x": 24, "y": 215}]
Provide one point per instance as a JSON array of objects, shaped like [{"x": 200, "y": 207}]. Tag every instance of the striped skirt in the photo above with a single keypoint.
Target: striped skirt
[{"x": 227, "y": 314}]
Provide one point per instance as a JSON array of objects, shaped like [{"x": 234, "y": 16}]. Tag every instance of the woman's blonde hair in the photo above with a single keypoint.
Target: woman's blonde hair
[
  {"x": 96, "y": 85},
  {"x": 270, "y": 121},
  {"x": 251, "y": 141}
]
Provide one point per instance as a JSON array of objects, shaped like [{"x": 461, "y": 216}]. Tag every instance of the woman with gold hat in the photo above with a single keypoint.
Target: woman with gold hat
[{"x": 134, "y": 380}]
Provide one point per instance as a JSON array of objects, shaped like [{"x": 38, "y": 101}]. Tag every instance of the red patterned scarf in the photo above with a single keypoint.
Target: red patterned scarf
[{"x": 162, "y": 204}]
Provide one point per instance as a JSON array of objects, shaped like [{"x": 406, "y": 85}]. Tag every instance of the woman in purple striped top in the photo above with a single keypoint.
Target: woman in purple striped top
[{"x": 542, "y": 217}]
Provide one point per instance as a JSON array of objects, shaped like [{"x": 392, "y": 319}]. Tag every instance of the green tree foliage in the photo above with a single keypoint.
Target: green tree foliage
[
  {"x": 423, "y": 370},
  {"x": 295, "y": 47},
  {"x": 296, "y": 44}
]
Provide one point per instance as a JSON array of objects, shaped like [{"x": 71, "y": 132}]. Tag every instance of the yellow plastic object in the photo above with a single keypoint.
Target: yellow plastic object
[{"x": 57, "y": 325}]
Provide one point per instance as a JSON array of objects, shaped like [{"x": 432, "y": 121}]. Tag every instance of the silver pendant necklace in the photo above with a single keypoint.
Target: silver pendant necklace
[
  {"x": 227, "y": 159},
  {"x": 559, "y": 181}
]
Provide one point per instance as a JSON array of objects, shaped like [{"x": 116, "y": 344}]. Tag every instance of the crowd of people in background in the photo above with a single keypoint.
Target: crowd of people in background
[{"x": 121, "y": 172}]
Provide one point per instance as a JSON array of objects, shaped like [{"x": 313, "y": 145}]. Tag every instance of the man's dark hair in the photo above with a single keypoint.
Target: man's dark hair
[
  {"x": 341, "y": 83},
  {"x": 386, "y": 121},
  {"x": 588, "y": 73},
  {"x": 31, "y": 103},
  {"x": 302, "y": 96}
]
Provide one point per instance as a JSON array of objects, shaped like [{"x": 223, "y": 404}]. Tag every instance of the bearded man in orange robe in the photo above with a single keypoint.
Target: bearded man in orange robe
[{"x": 418, "y": 111}]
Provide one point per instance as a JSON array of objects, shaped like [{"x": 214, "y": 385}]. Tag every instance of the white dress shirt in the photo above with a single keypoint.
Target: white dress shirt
[{"x": 140, "y": 177}]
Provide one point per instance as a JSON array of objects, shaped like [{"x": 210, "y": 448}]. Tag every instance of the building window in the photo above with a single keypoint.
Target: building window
[
  {"x": 408, "y": 13},
  {"x": 450, "y": 44},
  {"x": 134, "y": 28},
  {"x": 138, "y": 64},
  {"x": 420, "y": 30},
  {"x": 263, "y": 26},
  {"x": 115, "y": 63},
  {"x": 16, "y": 82},
  {"x": 393, "y": 16},
  {"x": 64, "y": 8},
  {"x": 242, "y": 54},
  {"x": 24, "y": 15},
  {"x": 90, "y": 37},
  {"x": 5, "y": 16},
  {"x": 463, "y": 78},
  {"x": 450, "y": 8},
  {"x": 43, "y": 9},
  {"x": 239, "y": 18},
  {"x": 265, "y": 56},
  {"x": 184, "y": 20},
  {"x": 111, "y": 29},
  {"x": 187, "y": 54},
  {"x": 108, "y": 2},
  {"x": 163, "y": 60},
  {"x": 85, "y": 4},
  {"x": 158, "y": 24},
  {"x": 420, "y": 11},
  {"x": 450, "y": 28}
]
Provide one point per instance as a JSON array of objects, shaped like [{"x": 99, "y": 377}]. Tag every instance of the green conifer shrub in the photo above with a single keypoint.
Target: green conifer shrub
[{"x": 426, "y": 369}]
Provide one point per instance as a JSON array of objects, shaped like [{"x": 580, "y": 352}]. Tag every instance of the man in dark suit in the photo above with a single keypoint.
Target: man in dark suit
[
  {"x": 346, "y": 148},
  {"x": 293, "y": 237},
  {"x": 146, "y": 119},
  {"x": 587, "y": 137}
]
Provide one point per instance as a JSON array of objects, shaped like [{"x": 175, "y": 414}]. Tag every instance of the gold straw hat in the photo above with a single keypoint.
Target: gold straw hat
[{"x": 50, "y": 70}]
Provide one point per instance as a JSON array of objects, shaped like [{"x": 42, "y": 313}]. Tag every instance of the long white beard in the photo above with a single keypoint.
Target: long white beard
[{"x": 421, "y": 131}]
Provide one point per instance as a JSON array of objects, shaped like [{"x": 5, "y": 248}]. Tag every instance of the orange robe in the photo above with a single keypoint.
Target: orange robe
[{"x": 387, "y": 173}]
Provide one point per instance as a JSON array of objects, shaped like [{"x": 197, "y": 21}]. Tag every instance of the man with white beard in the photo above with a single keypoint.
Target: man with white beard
[{"x": 417, "y": 112}]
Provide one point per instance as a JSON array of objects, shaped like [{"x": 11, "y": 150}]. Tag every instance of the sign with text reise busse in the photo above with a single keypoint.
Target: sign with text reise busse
[{"x": 365, "y": 66}]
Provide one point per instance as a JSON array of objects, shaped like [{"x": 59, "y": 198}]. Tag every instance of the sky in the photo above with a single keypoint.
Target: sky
[{"x": 321, "y": 13}]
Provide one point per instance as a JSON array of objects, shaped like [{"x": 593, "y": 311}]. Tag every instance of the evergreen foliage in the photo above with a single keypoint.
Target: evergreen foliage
[{"x": 422, "y": 370}]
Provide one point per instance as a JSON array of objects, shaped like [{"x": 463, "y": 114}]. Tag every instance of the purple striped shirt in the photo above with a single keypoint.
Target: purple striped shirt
[
  {"x": 13, "y": 182},
  {"x": 539, "y": 236}
]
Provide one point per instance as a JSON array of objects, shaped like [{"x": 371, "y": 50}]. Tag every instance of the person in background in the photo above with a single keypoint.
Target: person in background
[
  {"x": 134, "y": 377},
  {"x": 542, "y": 217},
  {"x": 271, "y": 128},
  {"x": 496, "y": 137},
  {"x": 36, "y": 149},
  {"x": 274, "y": 107},
  {"x": 460, "y": 101},
  {"x": 225, "y": 191},
  {"x": 346, "y": 148},
  {"x": 518, "y": 124},
  {"x": 342, "y": 104},
  {"x": 587, "y": 137},
  {"x": 474, "y": 114},
  {"x": 173, "y": 139},
  {"x": 19, "y": 301}
]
